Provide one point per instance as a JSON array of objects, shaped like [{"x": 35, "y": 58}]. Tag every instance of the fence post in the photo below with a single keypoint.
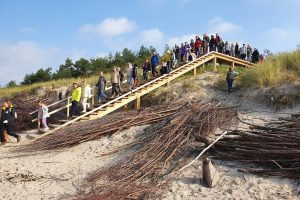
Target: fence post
[
  {"x": 215, "y": 63},
  {"x": 93, "y": 98},
  {"x": 68, "y": 107},
  {"x": 138, "y": 102}
]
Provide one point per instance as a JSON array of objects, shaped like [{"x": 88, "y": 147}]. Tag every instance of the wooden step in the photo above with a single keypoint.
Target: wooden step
[
  {"x": 54, "y": 125},
  {"x": 94, "y": 113},
  {"x": 63, "y": 120}
]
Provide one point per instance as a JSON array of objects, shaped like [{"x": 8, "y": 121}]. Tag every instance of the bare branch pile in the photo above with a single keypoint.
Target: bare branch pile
[
  {"x": 95, "y": 129},
  {"x": 163, "y": 151},
  {"x": 275, "y": 147}
]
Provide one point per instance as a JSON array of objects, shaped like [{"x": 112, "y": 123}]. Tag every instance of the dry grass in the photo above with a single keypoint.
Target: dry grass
[{"x": 274, "y": 71}]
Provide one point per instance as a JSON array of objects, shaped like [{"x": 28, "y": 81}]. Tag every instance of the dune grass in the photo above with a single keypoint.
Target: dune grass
[
  {"x": 274, "y": 71},
  {"x": 11, "y": 91}
]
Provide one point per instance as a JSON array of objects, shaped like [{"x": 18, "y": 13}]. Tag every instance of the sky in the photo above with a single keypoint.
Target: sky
[{"x": 40, "y": 34}]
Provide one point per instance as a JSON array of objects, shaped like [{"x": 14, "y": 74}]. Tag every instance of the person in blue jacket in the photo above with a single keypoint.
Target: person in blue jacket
[{"x": 154, "y": 64}]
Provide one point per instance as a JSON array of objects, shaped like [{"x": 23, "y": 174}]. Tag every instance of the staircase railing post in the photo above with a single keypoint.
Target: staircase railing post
[
  {"x": 68, "y": 107},
  {"x": 215, "y": 63},
  {"x": 92, "y": 98},
  {"x": 138, "y": 102}
]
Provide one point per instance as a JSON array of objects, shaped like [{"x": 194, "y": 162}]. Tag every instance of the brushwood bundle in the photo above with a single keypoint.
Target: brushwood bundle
[
  {"x": 274, "y": 148},
  {"x": 163, "y": 151}
]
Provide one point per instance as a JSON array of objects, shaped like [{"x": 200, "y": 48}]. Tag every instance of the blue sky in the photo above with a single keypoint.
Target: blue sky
[{"x": 43, "y": 33}]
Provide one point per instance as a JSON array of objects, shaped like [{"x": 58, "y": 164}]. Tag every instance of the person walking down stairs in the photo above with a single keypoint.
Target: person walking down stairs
[
  {"x": 76, "y": 95},
  {"x": 154, "y": 64},
  {"x": 87, "y": 94},
  {"x": 135, "y": 76},
  {"x": 115, "y": 82},
  {"x": 146, "y": 69},
  {"x": 6, "y": 122},
  {"x": 101, "y": 85},
  {"x": 42, "y": 116},
  {"x": 129, "y": 76}
]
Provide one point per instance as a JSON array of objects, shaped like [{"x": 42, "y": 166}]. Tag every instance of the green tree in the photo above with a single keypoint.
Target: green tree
[
  {"x": 128, "y": 55},
  {"x": 65, "y": 70},
  {"x": 11, "y": 84},
  {"x": 118, "y": 59},
  {"x": 144, "y": 53},
  {"x": 82, "y": 67},
  {"x": 41, "y": 75},
  {"x": 99, "y": 64}
]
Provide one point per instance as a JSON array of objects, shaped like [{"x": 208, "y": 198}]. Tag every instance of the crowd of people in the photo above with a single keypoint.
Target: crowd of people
[{"x": 172, "y": 58}]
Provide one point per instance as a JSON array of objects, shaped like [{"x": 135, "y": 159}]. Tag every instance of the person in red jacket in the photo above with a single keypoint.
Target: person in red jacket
[{"x": 198, "y": 47}]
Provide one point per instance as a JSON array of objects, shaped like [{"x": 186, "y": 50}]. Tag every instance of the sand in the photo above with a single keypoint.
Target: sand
[{"x": 59, "y": 174}]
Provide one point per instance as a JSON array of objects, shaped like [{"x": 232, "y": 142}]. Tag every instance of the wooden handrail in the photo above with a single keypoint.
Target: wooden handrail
[
  {"x": 57, "y": 102},
  {"x": 65, "y": 106}
]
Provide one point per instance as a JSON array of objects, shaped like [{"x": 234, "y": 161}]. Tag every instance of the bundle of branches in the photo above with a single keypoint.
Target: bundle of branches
[
  {"x": 95, "y": 129},
  {"x": 275, "y": 147},
  {"x": 163, "y": 152}
]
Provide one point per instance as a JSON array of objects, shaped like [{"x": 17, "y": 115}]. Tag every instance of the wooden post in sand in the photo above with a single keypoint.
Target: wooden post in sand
[
  {"x": 215, "y": 64},
  {"x": 195, "y": 71},
  {"x": 233, "y": 65},
  {"x": 138, "y": 103}
]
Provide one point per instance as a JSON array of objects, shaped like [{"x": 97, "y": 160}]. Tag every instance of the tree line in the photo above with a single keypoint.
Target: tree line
[{"x": 86, "y": 67}]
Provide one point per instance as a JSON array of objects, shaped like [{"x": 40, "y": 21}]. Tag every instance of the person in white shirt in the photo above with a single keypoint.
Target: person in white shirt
[{"x": 86, "y": 96}]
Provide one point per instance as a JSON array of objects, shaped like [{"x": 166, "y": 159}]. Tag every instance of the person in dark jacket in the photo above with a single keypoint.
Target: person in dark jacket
[
  {"x": 101, "y": 85},
  {"x": 6, "y": 121},
  {"x": 154, "y": 64},
  {"x": 135, "y": 76},
  {"x": 217, "y": 40},
  {"x": 146, "y": 69},
  {"x": 212, "y": 44},
  {"x": 255, "y": 56},
  {"x": 237, "y": 50},
  {"x": 177, "y": 52}
]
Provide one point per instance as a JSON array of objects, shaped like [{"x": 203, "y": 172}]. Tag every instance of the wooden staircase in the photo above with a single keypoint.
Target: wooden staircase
[{"x": 136, "y": 94}]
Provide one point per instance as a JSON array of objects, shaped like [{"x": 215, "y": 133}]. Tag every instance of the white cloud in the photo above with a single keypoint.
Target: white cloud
[
  {"x": 109, "y": 27},
  {"x": 219, "y": 25},
  {"x": 152, "y": 37},
  {"x": 24, "y": 57},
  {"x": 178, "y": 40},
  {"x": 280, "y": 33}
]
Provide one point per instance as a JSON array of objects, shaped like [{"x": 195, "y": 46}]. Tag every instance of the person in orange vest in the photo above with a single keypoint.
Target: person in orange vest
[{"x": 6, "y": 121}]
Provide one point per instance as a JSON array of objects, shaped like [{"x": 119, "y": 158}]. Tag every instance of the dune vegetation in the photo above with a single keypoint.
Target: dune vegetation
[
  {"x": 274, "y": 71},
  {"x": 11, "y": 91}
]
